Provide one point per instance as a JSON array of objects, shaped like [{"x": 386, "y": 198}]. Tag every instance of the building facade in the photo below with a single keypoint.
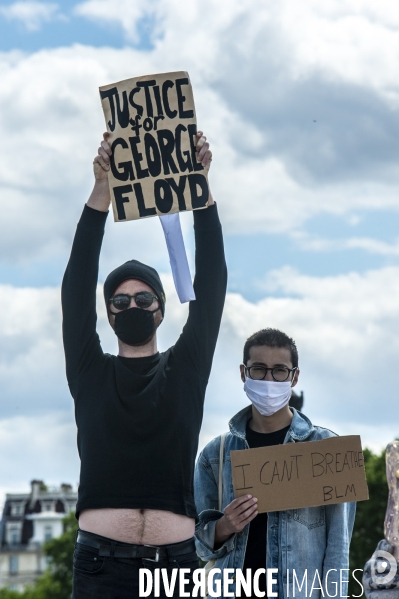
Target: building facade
[{"x": 28, "y": 521}]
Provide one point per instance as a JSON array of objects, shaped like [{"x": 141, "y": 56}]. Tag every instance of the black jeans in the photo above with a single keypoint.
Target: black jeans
[{"x": 96, "y": 577}]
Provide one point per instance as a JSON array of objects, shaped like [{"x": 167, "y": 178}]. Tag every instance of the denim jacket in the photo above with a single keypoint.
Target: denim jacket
[{"x": 305, "y": 540}]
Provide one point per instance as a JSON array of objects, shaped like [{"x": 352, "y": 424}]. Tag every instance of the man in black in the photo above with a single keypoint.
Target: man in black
[{"x": 138, "y": 413}]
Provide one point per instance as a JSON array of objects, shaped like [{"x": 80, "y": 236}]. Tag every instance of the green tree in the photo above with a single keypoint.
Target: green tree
[
  {"x": 369, "y": 522},
  {"x": 60, "y": 551},
  {"x": 7, "y": 594}
]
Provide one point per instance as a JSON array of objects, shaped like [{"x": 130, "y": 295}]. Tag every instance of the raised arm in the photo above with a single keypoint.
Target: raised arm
[
  {"x": 198, "y": 339},
  {"x": 81, "y": 342}
]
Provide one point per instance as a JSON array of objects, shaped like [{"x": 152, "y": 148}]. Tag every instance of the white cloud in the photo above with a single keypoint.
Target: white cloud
[
  {"x": 351, "y": 41},
  {"x": 30, "y": 14},
  {"x": 372, "y": 246},
  {"x": 122, "y": 12}
]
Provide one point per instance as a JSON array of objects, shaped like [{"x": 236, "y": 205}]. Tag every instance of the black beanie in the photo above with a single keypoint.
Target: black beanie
[{"x": 133, "y": 269}]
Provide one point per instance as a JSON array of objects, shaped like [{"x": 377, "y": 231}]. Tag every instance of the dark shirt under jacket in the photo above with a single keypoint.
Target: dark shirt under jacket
[
  {"x": 255, "y": 553},
  {"x": 139, "y": 419}
]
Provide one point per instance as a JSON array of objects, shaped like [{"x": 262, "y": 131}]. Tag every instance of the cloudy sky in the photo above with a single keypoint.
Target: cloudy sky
[{"x": 301, "y": 104}]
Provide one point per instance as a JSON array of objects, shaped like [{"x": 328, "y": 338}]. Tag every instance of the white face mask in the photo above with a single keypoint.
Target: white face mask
[{"x": 268, "y": 396}]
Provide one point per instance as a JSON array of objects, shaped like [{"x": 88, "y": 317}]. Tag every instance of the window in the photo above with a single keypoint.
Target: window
[
  {"x": 13, "y": 564},
  {"x": 13, "y": 535},
  {"x": 71, "y": 506},
  {"x": 48, "y": 533},
  {"x": 48, "y": 506},
  {"x": 17, "y": 509}
]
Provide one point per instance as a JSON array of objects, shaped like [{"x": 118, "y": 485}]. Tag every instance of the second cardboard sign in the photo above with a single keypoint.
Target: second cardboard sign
[{"x": 298, "y": 475}]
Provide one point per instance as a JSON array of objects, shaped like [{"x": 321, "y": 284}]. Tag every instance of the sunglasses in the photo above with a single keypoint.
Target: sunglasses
[{"x": 143, "y": 299}]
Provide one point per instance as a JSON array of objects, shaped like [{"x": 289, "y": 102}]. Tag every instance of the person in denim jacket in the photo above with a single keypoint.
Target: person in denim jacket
[{"x": 314, "y": 541}]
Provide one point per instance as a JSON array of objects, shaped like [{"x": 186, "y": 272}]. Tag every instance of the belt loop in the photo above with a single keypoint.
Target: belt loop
[
  {"x": 113, "y": 545},
  {"x": 170, "y": 557}
]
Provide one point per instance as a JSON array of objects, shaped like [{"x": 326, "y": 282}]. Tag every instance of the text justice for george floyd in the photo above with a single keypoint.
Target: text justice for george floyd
[{"x": 162, "y": 146}]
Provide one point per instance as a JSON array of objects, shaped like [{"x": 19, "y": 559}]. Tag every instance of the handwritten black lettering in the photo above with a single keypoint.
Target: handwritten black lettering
[
  {"x": 361, "y": 459},
  {"x": 146, "y": 85},
  {"x": 127, "y": 167},
  {"x": 346, "y": 463},
  {"x": 165, "y": 87},
  {"x": 148, "y": 124},
  {"x": 327, "y": 492},
  {"x": 317, "y": 467},
  {"x": 350, "y": 489},
  {"x": 184, "y": 164},
  {"x": 152, "y": 155},
  {"x": 356, "y": 459},
  {"x": 143, "y": 210},
  {"x": 261, "y": 473},
  {"x": 336, "y": 463},
  {"x": 336, "y": 494},
  {"x": 137, "y": 157},
  {"x": 329, "y": 460},
  {"x": 178, "y": 188},
  {"x": 275, "y": 472},
  {"x": 121, "y": 199},
  {"x": 136, "y": 125},
  {"x": 198, "y": 200},
  {"x": 285, "y": 471},
  {"x": 163, "y": 196},
  {"x": 122, "y": 112},
  {"x": 243, "y": 474},
  {"x": 295, "y": 457},
  {"x": 166, "y": 143},
  {"x": 158, "y": 102},
  {"x": 183, "y": 114},
  {"x": 138, "y": 107}
]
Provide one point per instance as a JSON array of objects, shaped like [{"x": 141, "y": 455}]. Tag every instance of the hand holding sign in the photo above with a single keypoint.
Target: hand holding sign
[
  {"x": 237, "y": 515},
  {"x": 101, "y": 161}
]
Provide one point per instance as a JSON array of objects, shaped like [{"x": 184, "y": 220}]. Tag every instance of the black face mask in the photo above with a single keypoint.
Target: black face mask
[{"x": 134, "y": 326}]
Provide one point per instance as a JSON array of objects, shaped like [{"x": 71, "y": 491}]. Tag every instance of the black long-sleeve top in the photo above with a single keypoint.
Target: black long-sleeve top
[{"x": 139, "y": 419}]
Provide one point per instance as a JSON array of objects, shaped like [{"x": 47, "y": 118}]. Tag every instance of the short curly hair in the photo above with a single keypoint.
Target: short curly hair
[{"x": 271, "y": 338}]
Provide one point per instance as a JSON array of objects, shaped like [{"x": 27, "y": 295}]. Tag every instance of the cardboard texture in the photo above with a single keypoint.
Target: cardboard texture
[
  {"x": 298, "y": 475},
  {"x": 152, "y": 125}
]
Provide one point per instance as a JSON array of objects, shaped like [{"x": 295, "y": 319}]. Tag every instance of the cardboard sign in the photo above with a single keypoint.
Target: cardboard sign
[
  {"x": 152, "y": 126},
  {"x": 296, "y": 475}
]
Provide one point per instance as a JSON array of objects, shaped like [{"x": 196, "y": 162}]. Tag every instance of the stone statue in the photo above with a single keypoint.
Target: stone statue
[{"x": 381, "y": 572}]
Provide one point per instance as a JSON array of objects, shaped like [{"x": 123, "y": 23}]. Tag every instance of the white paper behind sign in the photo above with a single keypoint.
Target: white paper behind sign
[{"x": 178, "y": 257}]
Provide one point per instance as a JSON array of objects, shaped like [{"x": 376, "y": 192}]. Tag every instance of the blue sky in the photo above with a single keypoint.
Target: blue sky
[
  {"x": 65, "y": 28},
  {"x": 300, "y": 103}
]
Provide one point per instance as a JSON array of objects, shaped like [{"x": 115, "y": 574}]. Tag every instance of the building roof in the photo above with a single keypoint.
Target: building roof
[{"x": 21, "y": 510}]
